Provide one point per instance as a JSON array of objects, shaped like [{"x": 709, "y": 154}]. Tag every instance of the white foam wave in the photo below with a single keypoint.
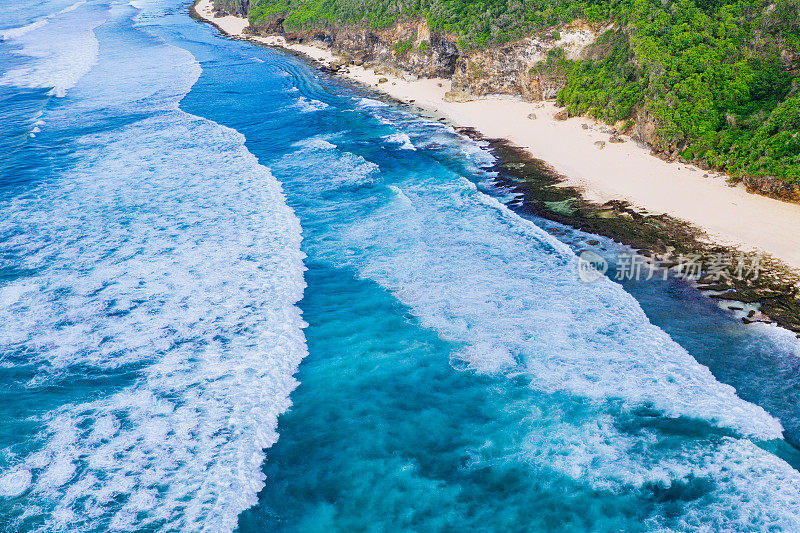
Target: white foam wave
[
  {"x": 15, "y": 33},
  {"x": 370, "y": 103},
  {"x": 14, "y": 482},
  {"x": 508, "y": 292},
  {"x": 402, "y": 139},
  {"x": 478, "y": 154},
  {"x": 316, "y": 143},
  {"x": 61, "y": 49},
  {"x": 307, "y": 105},
  {"x": 72, "y": 7},
  {"x": 459, "y": 278},
  {"x": 167, "y": 249}
]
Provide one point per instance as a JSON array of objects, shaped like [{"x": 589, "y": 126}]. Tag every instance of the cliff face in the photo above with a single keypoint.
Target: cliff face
[
  {"x": 238, "y": 8},
  {"x": 535, "y": 68},
  {"x": 409, "y": 45},
  {"x": 520, "y": 67},
  {"x": 773, "y": 187},
  {"x": 515, "y": 68}
]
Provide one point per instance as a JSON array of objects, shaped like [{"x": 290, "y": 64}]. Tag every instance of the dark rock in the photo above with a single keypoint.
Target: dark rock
[
  {"x": 773, "y": 187},
  {"x": 237, "y": 8}
]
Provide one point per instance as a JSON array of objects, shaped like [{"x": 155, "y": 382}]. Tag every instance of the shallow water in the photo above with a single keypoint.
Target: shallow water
[{"x": 454, "y": 372}]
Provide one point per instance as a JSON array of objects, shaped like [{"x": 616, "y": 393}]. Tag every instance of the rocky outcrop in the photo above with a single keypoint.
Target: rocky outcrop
[
  {"x": 407, "y": 45},
  {"x": 524, "y": 67},
  {"x": 773, "y": 187},
  {"x": 530, "y": 67},
  {"x": 238, "y": 8},
  {"x": 517, "y": 68}
]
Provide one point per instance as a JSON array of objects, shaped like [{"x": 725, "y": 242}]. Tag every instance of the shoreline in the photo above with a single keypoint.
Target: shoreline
[
  {"x": 626, "y": 171},
  {"x": 622, "y": 191}
]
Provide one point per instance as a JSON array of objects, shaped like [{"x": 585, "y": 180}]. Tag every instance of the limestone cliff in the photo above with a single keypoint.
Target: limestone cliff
[
  {"x": 406, "y": 45},
  {"x": 520, "y": 67},
  {"x": 238, "y": 8},
  {"x": 514, "y": 68}
]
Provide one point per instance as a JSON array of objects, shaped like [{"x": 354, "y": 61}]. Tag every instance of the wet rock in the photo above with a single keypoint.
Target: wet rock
[{"x": 756, "y": 317}]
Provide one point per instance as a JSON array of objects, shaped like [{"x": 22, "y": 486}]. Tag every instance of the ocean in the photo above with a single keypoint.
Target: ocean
[{"x": 239, "y": 294}]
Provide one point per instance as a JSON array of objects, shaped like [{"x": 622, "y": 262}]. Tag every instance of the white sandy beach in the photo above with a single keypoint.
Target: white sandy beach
[{"x": 626, "y": 171}]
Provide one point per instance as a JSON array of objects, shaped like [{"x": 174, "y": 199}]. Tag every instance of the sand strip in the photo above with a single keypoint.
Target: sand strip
[{"x": 624, "y": 171}]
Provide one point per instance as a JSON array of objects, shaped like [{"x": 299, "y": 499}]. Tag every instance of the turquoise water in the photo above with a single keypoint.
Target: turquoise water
[{"x": 237, "y": 294}]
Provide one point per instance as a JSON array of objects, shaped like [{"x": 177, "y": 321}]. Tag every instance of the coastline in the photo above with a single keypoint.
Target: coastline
[
  {"x": 694, "y": 210},
  {"x": 730, "y": 216}
]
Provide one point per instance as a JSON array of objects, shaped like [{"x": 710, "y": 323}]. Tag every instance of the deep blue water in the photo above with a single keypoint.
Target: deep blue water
[{"x": 236, "y": 293}]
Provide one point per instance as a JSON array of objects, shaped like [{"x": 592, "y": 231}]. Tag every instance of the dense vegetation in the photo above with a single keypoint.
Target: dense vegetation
[
  {"x": 707, "y": 73},
  {"x": 477, "y": 23}
]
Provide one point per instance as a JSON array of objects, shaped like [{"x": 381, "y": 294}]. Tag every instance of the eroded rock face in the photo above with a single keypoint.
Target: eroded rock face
[
  {"x": 521, "y": 67},
  {"x": 516, "y": 68},
  {"x": 409, "y": 45},
  {"x": 238, "y": 8},
  {"x": 773, "y": 187}
]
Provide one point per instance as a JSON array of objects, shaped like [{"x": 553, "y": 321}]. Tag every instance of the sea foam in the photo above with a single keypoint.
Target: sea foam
[
  {"x": 60, "y": 49},
  {"x": 185, "y": 265},
  {"x": 166, "y": 261},
  {"x": 401, "y": 139},
  {"x": 615, "y": 404}
]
